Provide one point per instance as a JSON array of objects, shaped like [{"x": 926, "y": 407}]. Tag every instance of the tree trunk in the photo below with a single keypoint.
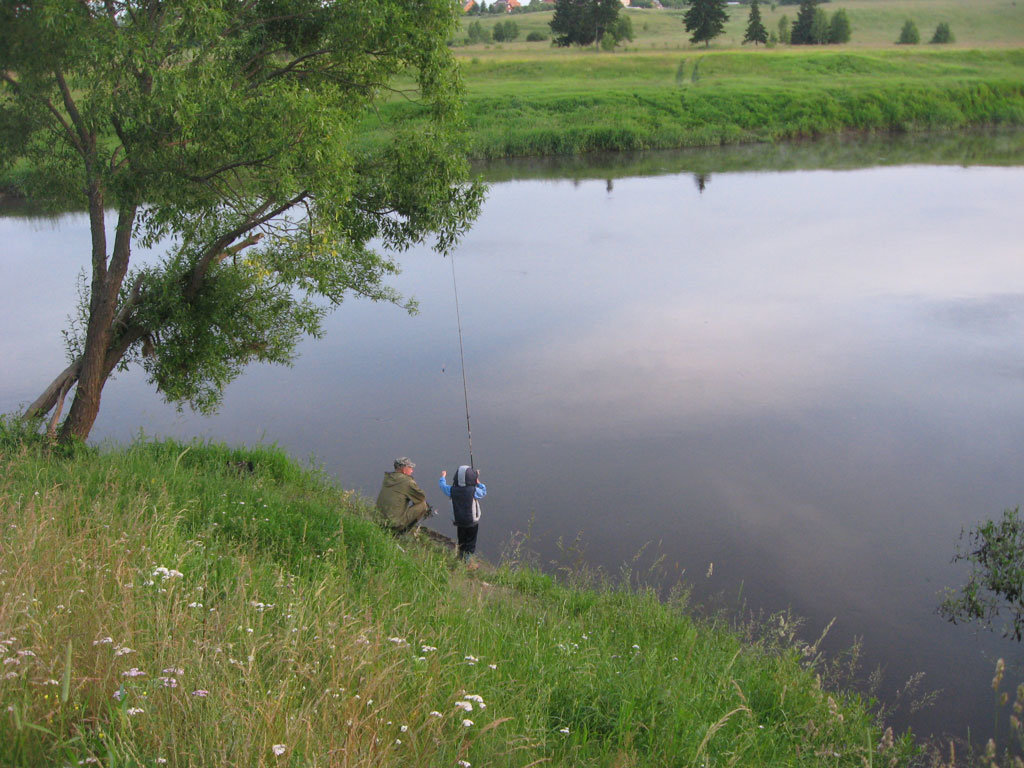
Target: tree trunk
[{"x": 106, "y": 286}]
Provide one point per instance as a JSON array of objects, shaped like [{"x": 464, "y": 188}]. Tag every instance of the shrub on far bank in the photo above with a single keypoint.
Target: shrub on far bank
[
  {"x": 943, "y": 34},
  {"x": 909, "y": 34},
  {"x": 536, "y": 37},
  {"x": 839, "y": 27}
]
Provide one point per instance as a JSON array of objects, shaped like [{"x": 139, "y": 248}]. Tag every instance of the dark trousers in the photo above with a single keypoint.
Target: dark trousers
[{"x": 467, "y": 540}]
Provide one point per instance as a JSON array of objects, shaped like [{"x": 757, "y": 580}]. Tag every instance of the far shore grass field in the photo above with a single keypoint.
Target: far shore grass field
[
  {"x": 584, "y": 101},
  {"x": 661, "y": 91},
  {"x": 875, "y": 24}
]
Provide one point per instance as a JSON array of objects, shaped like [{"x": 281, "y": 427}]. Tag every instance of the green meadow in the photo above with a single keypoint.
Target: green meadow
[
  {"x": 197, "y": 605},
  {"x": 874, "y": 24},
  {"x": 585, "y": 101},
  {"x": 660, "y": 91}
]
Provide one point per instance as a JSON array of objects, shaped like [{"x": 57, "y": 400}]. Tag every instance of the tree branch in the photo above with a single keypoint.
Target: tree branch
[
  {"x": 68, "y": 130},
  {"x": 48, "y": 399},
  {"x": 213, "y": 253},
  {"x": 121, "y": 318},
  {"x": 74, "y": 114}
]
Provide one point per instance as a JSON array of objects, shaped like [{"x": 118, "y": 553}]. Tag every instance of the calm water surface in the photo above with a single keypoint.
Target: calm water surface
[{"x": 811, "y": 380}]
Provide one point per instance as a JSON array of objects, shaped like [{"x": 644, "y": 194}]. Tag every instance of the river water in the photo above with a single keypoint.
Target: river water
[{"x": 790, "y": 389}]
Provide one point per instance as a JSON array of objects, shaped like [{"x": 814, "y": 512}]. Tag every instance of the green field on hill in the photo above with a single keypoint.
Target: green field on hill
[
  {"x": 582, "y": 101},
  {"x": 874, "y": 23}
]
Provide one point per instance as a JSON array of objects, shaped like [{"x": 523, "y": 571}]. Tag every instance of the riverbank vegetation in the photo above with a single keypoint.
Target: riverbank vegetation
[
  {"x": 541, "y": 105},
  {"x": 187, "y": 604}
]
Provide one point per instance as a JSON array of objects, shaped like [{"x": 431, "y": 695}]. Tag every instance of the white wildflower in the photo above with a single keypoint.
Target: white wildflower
[
  {"x": 133, "y": 711},
  {"x": 278, "y": 749},
  {"x": 435, "y": 713},
  {"x": 133, "y": 672},
  {"x": 427, "y": 648},
  {"x": 467, "y": 723},
  {"x": 564, "y": 730},
  {"x": 167, "y": 573},
  {"x": 464, "y": 705}
]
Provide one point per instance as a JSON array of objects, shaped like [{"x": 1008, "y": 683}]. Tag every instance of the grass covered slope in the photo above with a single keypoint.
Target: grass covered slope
[
  {"x": 191, "y": 605},
  {"x": 545, "y": 105}
]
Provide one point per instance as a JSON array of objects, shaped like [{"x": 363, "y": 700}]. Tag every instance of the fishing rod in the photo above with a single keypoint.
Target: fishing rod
[{"x": 462, "y": 357}]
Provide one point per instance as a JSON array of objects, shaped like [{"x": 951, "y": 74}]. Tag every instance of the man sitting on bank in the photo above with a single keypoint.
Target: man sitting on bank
[{"x": 401, "y": 502}]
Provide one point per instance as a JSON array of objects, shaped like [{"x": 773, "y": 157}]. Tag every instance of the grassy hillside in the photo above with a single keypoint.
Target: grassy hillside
[
  {"x": 874, "y": 23},
  {"x": 586, "y": 101},
  {"x": 193, "y": 605}
]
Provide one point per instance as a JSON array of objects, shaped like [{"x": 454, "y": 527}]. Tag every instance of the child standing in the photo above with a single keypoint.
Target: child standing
[{"x": 465, "y": 494}]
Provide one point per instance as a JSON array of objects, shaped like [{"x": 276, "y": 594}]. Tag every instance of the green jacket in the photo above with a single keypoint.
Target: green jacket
[{"x": 400, "y": 501}]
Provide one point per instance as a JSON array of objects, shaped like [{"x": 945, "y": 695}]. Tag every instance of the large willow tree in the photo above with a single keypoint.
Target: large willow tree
[{"x": 233, "y": 132}]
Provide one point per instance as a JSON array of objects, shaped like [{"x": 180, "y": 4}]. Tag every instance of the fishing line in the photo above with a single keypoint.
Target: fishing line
[{"x": 462, "y": 357}]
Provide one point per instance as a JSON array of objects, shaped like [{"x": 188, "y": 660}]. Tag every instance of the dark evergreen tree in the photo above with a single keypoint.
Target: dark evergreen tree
[
  {"x": 909, "y": 34},
  {"x": 756, "y": 33},
  {"x": 803, "y": 27},
  {"x": 705, "y": 20},
  {"x": 943, "y": 34}
]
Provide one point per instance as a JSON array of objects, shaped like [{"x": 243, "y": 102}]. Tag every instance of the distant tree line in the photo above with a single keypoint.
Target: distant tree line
[
  {"x": 814, "y": 27},
  {"x": 705, "y": 20},
  {"x": 910, "y": 36},
  {"x": 501, "y": 32}
]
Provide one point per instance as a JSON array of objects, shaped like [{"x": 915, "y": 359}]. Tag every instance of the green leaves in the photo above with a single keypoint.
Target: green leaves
[
  {"x": 224, "y": 123},
  {"x": 995, "y": 585}
]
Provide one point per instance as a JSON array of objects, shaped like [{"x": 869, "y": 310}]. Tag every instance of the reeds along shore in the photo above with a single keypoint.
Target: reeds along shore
[{"x": 190, "y": 604}]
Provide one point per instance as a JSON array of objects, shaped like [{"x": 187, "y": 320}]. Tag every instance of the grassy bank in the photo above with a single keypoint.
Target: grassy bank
[
  {"x": 171, "y": 604},
  {"x": 592, "y": 102}
]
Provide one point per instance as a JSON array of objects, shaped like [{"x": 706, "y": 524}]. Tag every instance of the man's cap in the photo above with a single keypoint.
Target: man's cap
[{"x": 404, "y": 461}]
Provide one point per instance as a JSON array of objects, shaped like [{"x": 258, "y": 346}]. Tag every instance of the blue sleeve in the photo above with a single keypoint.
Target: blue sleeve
[
  {"x": 481, "y": 491},
  {"x": 447, "y": 489}
]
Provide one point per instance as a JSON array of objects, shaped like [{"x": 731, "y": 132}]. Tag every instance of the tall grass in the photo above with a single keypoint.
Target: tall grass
[{"x": 195, "y": 605}]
